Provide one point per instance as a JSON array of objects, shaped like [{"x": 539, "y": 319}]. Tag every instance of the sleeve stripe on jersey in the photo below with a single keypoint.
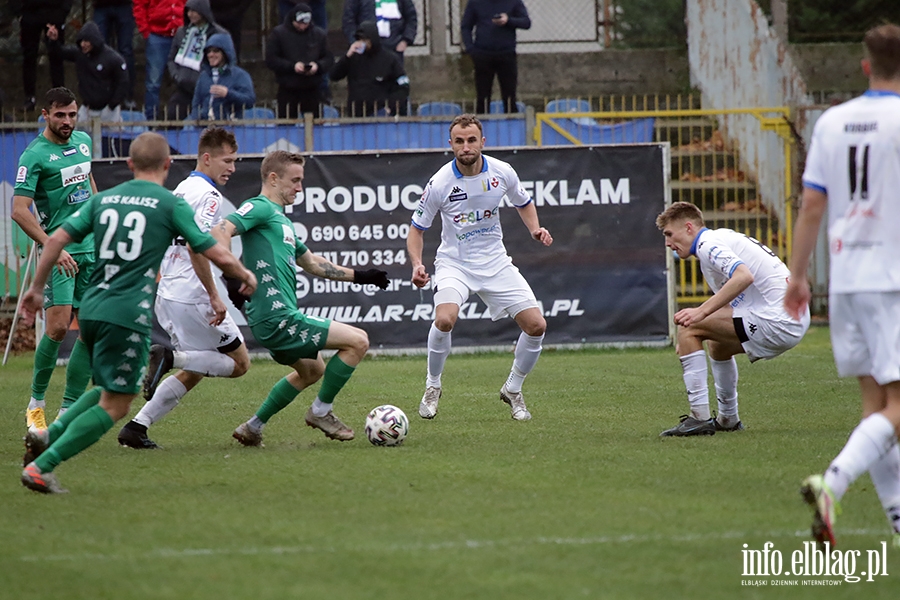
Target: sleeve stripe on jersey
[
  {"x": 419, "y": 227},
  {"x": 815, "y": 186},
  {"x": 530, "y": 200},
  {"x": 733, "y": 267}
]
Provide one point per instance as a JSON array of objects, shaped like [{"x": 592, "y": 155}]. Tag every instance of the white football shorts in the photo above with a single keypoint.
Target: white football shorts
[
  {"x": 505, "y": 293},
  {"x": 765, "y": 338},
  {"x": 189, "y": 329},
  {"x": 865, "y": 334}
]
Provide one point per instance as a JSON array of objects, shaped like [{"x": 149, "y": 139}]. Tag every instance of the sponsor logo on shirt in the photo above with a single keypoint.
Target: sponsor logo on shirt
[
  {"x": 21, "y": 175},
  {"x": 474, "y": 216},
  {"x": 69, "y": 152},
  {"x": 244, "y": 209},
  {"x": 75, "y": 174},
  {"x": 288, "y": 232},
  {"x": 457, "y": 194},
  {"x": 79, "y": 196}
]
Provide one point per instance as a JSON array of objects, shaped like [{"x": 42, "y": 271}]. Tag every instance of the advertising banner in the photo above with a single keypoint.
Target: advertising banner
[{"x": 602, "y": 281}]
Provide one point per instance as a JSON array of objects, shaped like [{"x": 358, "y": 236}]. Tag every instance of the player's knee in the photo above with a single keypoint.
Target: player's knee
[
  {"x": 361, "y": 342},
  {"x": 444, "y": 323},
  {"x": 56, "y": 331},
  {"x": 536, "y": 328},
  {"x": 241, "y": 366}
]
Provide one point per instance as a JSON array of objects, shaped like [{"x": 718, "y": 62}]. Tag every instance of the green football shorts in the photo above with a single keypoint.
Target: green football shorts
[
  {"x": 118, "y": 355},
  {"x": 292, "y": 337},
  {"x": 64, "y": 289}
]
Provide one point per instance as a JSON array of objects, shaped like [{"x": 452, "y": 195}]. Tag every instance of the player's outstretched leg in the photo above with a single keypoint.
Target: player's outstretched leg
[
  {"x": 78, "y": 375},
  {"x": 439, "y": 343},
  {"x": 429, "y": 404},
  {"x": 320, "y": 415},
  {"x": 516, "y": 403},
  {"x": 45, "y": 483}
]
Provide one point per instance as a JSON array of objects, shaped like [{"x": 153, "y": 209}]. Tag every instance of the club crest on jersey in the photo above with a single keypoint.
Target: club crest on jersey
[
  {"x": 22, "y": 175},
  {"x": 457, "y": 194},
  {"x": 494, "y": 182},
  {"x": 84, "y": 149},
  {"x": 69, "y": 152}
]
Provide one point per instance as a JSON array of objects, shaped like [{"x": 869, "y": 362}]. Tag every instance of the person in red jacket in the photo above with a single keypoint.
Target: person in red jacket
[{"x": 157, "y": 20}]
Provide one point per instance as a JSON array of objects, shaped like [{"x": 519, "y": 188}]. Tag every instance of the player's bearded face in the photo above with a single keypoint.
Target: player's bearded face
[
  {"x": 61, "y": 120},
  {"x": 467, "y": 143}
]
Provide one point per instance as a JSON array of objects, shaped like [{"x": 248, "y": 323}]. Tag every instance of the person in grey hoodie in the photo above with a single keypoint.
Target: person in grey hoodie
[
  {"x": 101, "y": 72},
  {"x": 223, "y": 89},
  {"x": 186, "y": 55}
]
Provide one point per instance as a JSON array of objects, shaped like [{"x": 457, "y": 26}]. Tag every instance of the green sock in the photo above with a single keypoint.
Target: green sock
[
  {"x": 44, "y": 362},
  {"x": 83, "y": 433},
  {"x": 78, "y": 373},
  {"x": 88, "y": 399},
  {"x": 337, "y": 373},
  {"x": 281, "y": 394}
]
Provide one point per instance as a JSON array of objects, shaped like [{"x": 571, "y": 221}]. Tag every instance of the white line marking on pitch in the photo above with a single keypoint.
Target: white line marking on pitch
[{"x": 437, "y": 546}]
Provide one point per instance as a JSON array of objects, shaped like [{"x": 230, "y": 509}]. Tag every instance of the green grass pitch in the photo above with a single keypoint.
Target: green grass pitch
[{"x": 584, "y": 501}]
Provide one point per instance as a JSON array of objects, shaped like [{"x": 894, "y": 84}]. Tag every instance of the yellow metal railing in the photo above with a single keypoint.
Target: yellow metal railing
[{"x": 710, "y": 167}]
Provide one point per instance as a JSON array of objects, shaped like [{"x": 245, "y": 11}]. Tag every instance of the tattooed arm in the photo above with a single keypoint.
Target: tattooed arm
[{"x": 322, "y": 267}]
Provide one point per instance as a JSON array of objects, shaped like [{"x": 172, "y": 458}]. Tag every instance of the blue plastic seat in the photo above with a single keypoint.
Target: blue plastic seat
[
  {"x": 259, "y": 113},
  {"x": 496, "y": 107},
  {"x": 431, "y": 109},
  {"x": 564, "y": 105},
  {"x": 330, "y": 112}
]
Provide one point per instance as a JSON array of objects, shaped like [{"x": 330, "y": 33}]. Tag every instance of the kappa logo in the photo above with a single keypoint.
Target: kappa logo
[
  {"x": 753, "y": 328},
  {"x": 292, "y": 330},
  {"x": 271, "y": 292},
  {"x": 142, "y": 320},
  {"x": 124, "y": 367},
  {"x": 134, "y": 338},
  {"x": 54, "y": 157},
  {"x": 119, "y": 381},
  {"x": 130, "y": 353},
  {"x": 261, "y": 264},
  {"x": 266, "y": 278},
  {"x": 151, "y": 273},
  {"x": 109, "y": 271},
  {"x": 317, "y": 337},
  {"x": 223, "y": 339},
  {"x": 147, "y": 289},
  {"x": 144, "y": 304},
  {"x": 457, "y": 194},
  {"x": 282, "y": 324},
  {"x": 304, "y": 333},
  {"x": 278, "y": 304},
  {"x": 456, "y": 190}
]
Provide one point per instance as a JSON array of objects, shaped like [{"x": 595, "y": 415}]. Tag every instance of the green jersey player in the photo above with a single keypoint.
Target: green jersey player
[
  {"x": 54, "y": 176},
  {"x": 133, "y": 224},
  {"x": 272, "y": 252}
]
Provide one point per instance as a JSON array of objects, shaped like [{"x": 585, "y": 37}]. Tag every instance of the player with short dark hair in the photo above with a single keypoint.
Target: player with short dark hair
[
  {"x": 54, "y": 176},
  {"x": 272, "y": 251},
  {"x": 134, "y": 223},
  {"x": 853, "y": 174},
  {"x": 744, "y": 315},
  {"x": 472, "y": 258},
  {"x": 206, "y": 338}
]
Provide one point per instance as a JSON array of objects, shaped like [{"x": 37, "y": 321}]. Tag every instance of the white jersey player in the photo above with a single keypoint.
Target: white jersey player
[
  {"x": 207, "y": 341},
  {"x": 467, "y": 193},
  {"x": 853, "y": 172},
  {"x": 744, "y": 315}
]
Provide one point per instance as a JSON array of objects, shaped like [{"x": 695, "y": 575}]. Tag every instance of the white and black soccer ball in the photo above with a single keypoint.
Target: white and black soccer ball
[{"x": 386, "y": 425}]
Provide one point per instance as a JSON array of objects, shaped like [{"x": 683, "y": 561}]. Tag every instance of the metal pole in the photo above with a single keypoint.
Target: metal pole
[{"x": 15, "y": 319}]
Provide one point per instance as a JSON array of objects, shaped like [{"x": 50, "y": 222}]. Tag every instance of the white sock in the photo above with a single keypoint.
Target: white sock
[
  {"x": 885, "y": 474},
  {"x": 166, "y": 398},
  {"x": 35, "y": 403},
  {"x": 438, "y": 351},
  {"x": 528, "y": 351},
  {"x": 319, "y": 408},
  {"x": 725, "y": 375},
  {"x": 695, "y": 372},
  {"x": 255, "y": 425},
  {"x": 871, "y": 439},
  {"x": 205, "y": 362}
]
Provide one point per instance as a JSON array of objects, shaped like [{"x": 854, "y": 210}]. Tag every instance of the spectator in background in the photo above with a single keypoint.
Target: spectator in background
[
  {"x": 115, "y": 18},
  {"x": 230, "y": 15},
  {"x": 489, "y": 37},
  {"x": 157, "y": 20},
  {"x": 35, "y": 17},
  {"x": 186, "y": 55},
  {"x": 320, "y": 15},
  {"x": 375, "y": 78},
  {"x": 397, "y": 21},
  {"x": 223, "y": 89},
  {"x": 297, "y": 51},
  {"x": 101, "y": 72}
]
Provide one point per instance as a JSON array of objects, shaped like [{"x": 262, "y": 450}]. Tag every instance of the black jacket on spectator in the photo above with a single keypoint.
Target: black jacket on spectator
[
  {"x": 358, "y": 11},
  {"x": 375, "y": 79},
  {"x": 286, "y": 46},
  {"x": 102, "y": 75},
  {"x": 489, "y": 39},
  {"x": 41, "y": 11}
]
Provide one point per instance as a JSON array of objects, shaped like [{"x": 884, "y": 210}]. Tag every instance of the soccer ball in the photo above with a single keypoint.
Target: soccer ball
[{"x": 386, "y": 425}]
